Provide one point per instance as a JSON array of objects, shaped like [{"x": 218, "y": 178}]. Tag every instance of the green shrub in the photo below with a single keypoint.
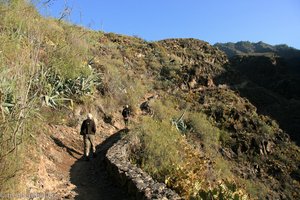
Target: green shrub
[
  {"x": 164, "y": 109},
  {"x": 136, "y": 90},
  {"x": 204, "y": 129},
  {"x": 160, "y": 154},
  {"x": 255, "y": 189}
]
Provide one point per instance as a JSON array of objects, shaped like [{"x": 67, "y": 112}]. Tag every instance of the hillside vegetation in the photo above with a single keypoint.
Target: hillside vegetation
[
  {"x": 194, "y": 132},
  {"x": 271, "y": 80}
]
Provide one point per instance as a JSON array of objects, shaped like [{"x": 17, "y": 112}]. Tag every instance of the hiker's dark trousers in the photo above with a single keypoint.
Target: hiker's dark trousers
[
  {"x": 89, "y": 143},
  {"x": 126, "y": 121}
]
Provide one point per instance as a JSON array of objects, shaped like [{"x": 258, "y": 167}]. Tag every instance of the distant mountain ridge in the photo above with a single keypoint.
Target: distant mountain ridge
[{"x": 246, "y": 47}]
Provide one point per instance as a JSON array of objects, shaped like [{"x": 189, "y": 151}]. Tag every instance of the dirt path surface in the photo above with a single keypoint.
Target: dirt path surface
[
  {"x": 91, "y": 178},
  {"x": 62, "y": 173}
]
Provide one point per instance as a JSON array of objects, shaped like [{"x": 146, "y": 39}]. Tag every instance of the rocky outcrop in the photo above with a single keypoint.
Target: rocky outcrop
[
  {"x": 138, "y": 183},
  {"x": 196, "y": 62}
]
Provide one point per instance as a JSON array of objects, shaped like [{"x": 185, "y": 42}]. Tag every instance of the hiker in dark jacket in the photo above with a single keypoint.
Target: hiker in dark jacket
[
  {"x": 88, "y": 130},
  {"x": 126, "y": 115}
]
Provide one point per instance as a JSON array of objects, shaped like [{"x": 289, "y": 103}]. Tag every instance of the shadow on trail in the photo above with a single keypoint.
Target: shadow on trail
[
  {"x": 91, "y": 178},
  {"x": 70, "y": 151}
]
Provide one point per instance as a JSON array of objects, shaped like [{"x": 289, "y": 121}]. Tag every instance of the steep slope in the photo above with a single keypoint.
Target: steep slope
[
  {"x": 247, "y": 139},
  {"x": 198, "y": 135},
  {"x": 184, "y": 70},
  {"x": 273, "y": 89},
  {"x": 272, "y": 73}
]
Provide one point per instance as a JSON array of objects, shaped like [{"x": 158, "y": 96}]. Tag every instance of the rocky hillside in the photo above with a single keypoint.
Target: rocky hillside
[
  {"x": 271, "y": 77},
  {"x": 191, "y": 126}
]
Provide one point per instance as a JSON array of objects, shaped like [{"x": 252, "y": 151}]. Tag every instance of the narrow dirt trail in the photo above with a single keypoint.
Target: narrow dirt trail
[
  {"x": 62, "y": 173},
  {"x": 91, "y": 179}
]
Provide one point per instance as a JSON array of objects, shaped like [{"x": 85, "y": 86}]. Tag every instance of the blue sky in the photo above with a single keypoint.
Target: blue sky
[{"x": 270, "y": 21}]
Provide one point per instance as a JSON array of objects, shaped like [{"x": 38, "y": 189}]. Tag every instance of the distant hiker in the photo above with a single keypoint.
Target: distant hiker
[
  {"x": 88, "y": 130},
  {"x": 126, "y": 114}
]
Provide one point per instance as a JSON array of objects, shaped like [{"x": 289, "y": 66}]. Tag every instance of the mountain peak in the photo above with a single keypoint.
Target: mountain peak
[{"x": 246, "y": 47}]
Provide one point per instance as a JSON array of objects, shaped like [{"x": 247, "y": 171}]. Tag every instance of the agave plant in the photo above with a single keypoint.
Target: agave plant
[
  {"x": 180, "y": 124},
  {"x": 7, "y": 87},
  {"x": 56, "y": 91},
  {"x": 7, "y": 107},
  {"x": 56, "y": 100}
]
